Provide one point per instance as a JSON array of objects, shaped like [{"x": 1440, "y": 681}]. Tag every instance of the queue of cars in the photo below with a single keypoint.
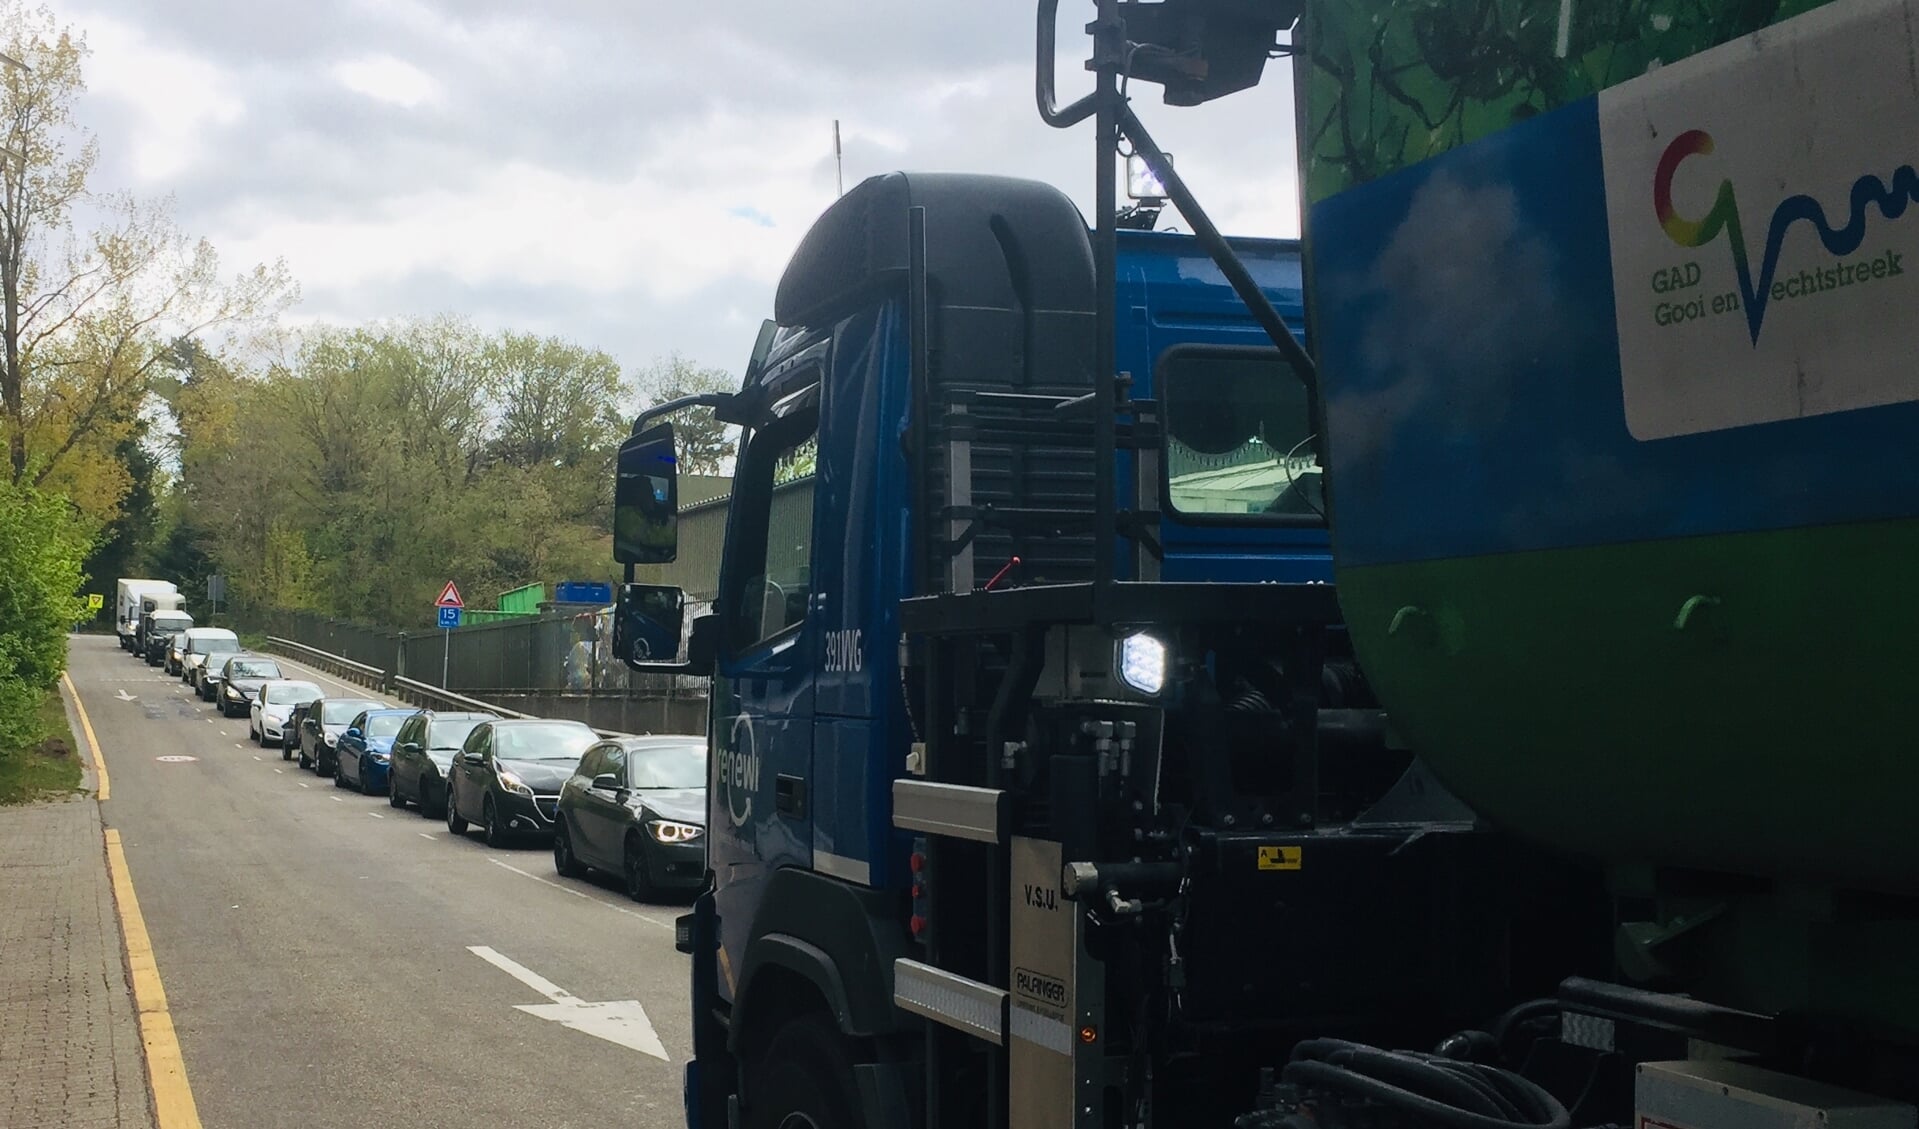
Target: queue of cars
[{"x": 630, "y": 807}]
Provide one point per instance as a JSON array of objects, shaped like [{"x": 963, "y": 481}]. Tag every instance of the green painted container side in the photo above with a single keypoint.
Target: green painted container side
[
  {"x": 474, "y": 616},
  {"x": 525, "y": 600},
  {"x": 1737, "y": 703}
]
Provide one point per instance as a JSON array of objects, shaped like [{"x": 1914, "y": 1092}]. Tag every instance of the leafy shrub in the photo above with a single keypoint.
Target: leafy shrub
[{"x": 42, "y": 543}]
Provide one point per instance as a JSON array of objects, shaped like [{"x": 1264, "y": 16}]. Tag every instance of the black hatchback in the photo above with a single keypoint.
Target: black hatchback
[
  {"x": 507, "y": 777},
  {"x": 636, "y": 807}
]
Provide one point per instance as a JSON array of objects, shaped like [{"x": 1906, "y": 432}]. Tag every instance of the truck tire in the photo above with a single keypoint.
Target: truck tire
[{"x": 804, "y": 1080}]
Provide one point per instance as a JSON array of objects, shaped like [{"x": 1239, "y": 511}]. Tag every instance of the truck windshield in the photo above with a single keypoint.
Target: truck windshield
[{"x": 1238, "y": 443}]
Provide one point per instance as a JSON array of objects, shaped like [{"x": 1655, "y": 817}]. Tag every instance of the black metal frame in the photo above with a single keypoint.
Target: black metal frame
[{"x": 1114, "y": 119}]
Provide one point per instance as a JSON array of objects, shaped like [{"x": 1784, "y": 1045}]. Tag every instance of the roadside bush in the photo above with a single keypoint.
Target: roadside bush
[{"x": 42, "y": 544}]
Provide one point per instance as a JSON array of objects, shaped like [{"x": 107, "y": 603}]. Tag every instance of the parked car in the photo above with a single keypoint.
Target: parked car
[
  {"x": 362, "y": 757},
  {"x": 241, "y": 679},
  {"x": 162, "y": 626},
  {"x": 508, "y": 775},
  {"x": 192, "y": 646},
  {"x": 290, "y": 732},
  {"x": 636, "y": 807},
  {"x": 423, "y": 753},
  {"x": 207, "y": 674},
  {"x": 267, "y": 714},
  {"x": 320, "y": 728}
]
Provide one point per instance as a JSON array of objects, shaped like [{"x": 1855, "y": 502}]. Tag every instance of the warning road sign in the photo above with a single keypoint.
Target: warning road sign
[
  {"x": 96, "y": 601},
  {"x": 449, "y": 597}
]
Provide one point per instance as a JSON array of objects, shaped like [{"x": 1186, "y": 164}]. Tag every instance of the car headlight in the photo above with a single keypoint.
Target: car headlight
[
  {"x": 670, "y": 831},
  {"x": 511, "y": 782},
  {"x": 1142, "y": 663},
  {"x": 230, "y": 692},
  {"x": 330, "y": 739}
]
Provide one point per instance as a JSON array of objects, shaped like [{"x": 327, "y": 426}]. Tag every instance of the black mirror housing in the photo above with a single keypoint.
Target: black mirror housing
[
  {"x": 703, "y": 645},
  {"x": 646, "y": 499},
  {"x": 607, "y": 781},
  {"x": 647, "y": 624}
]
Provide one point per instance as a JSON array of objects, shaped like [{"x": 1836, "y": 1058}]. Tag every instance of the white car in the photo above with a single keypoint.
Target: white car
[
  {"x": 192, "y": 646},
  {"x": 267, "y": 717}
]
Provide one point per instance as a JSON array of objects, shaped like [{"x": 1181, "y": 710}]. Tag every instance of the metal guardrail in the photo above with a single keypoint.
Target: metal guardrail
[
  {"x": 416, "y": 693},
  {"x": 333, "y": 664},
  {"x": 408, "y": 690}
]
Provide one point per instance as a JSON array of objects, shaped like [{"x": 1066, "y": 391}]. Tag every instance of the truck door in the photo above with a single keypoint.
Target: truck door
[{"x": 763, "y": 691}]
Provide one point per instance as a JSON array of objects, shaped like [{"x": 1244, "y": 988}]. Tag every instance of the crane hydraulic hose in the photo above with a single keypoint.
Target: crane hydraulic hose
[{"x": 1460, "y": 1095}]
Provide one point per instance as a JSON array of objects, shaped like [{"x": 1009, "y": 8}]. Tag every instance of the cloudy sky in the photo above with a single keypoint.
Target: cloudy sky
[{"x": 630, "y": 174}]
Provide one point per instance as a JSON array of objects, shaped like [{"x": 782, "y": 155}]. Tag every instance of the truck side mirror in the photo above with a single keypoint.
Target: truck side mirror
[
  {"x": 646, "y": 497},
  {"x": 647, "y": 623}
]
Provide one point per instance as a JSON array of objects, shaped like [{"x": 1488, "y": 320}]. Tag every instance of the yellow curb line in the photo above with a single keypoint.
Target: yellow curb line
[
  {"x": 93, "y": 743},
  {"x": 173, "y": 1106}
]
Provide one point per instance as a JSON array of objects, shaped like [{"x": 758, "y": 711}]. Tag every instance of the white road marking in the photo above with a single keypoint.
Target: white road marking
[
  {"x": 126, "y": 697},
  {"x": 617, "y": 1021},
  {"x": 279, "y": 770},
  {"x": 338, "y": 800},
  {"x": 238, "y": 746},
  {"x": 582, "y": 894},
  {"x": 376, "y": 815},
  {"x": 302, "y": 783},
  {"x": 424, "y": 835}
]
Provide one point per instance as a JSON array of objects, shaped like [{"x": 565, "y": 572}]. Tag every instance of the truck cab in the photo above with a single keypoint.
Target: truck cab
[{"x": 912, "y": 560}]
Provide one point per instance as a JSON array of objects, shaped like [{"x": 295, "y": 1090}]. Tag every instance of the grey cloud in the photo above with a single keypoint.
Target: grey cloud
[{"x": 598, "y": 90}]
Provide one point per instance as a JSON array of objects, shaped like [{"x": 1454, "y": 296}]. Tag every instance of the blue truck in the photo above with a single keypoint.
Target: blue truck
[{"x": 1052, "y": 781}]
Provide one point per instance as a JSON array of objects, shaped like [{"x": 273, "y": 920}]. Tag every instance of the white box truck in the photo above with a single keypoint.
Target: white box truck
[{"x": 126, "y": 606}]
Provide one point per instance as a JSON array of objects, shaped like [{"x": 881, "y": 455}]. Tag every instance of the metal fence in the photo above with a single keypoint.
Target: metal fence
[{"x": 557, "y": 664}]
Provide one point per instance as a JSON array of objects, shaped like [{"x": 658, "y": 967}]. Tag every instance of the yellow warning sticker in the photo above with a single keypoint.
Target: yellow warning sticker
[{"x": 1279, "y": 858}]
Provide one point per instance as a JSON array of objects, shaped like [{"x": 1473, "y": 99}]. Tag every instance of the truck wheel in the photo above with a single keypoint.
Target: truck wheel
[{"x": 804, "y": 1080}]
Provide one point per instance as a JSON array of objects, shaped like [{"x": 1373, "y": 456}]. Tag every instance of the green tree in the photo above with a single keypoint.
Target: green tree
[
  {"x": 558, "y": 402},
  {"x": 705, "y": 444},
  {"x": 87, "y": 315}
]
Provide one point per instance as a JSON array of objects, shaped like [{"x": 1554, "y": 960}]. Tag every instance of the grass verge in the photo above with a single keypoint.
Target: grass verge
[{"x": 48, "y": 768}]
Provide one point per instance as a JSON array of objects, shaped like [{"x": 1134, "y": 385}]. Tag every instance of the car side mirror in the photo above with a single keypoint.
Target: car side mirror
[
  {"x": 472, "y": 758},
  {"x": 352, "y": 731},
  {"x": 606, "y": 781},
  {"x": 646, "y": 499}
]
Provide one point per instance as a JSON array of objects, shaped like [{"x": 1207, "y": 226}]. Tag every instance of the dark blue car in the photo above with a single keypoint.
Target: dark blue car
[{"x": 366, "y": 749}]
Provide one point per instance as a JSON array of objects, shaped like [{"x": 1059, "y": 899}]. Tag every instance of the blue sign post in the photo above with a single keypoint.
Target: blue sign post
[{"x": 449, "y": 604}]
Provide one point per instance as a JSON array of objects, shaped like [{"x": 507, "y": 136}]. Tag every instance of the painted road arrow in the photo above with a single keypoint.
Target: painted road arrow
[
  {"x": 617, "y": 1021},
  {"x": 126, "y": 697}
]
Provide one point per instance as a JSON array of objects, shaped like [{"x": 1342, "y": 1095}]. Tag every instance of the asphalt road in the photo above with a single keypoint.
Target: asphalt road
[{"x": 315, "y": 944}]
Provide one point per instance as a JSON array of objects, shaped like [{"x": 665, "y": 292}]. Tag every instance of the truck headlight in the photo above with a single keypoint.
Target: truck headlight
[{"x": 1142, "y": 662}]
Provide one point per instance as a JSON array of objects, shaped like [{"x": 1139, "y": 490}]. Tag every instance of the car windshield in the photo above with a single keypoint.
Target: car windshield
[
  {"x": 339, "y": 711},
  {"x": 557, "y": 741},
  {"x": 255, "y": 668},
  {"x": 450, "y": 733},
  {"x": 666, "y": 766},
  {"x": 217, "y": 660},
  {"x": 216, "y": 641},
  {"x": 172, "y": 623},
  {"x": 384, "y": 724},
  {"x": 287, "y": 693}
]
